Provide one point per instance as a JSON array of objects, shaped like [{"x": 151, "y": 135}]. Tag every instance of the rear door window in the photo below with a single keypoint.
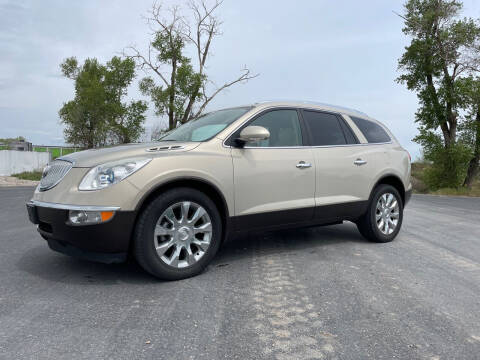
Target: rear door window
[{"x": 325, "y": 129}]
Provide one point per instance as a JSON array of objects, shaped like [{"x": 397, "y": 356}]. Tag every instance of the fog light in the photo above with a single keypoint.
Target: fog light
[{"x": 83, "y": 217}]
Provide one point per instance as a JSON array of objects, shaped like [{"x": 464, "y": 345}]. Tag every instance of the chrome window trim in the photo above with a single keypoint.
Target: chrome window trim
[
  {"x": 73, "y": 207},
  {"x": 338, "y": 108},
  {"x": 292, "y": 147},
  {"x": 345, "y": 145},
  {"x": 308, "y": 146},
  {"x": 56, "y": 183}
]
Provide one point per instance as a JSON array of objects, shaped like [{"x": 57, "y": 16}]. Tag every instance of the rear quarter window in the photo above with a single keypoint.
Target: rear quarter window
[{"x": 373, "y": 132}]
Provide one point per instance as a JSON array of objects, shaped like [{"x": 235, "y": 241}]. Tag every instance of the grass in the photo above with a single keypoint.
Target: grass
[
  {"x": 419, "y": 187},
  {"x": 55, "y": 151},
  {"x": 474, "y": 191},
  {"x": 29, "y": 175}
]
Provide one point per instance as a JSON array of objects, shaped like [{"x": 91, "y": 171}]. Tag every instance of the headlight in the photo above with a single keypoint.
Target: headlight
[{"x": 111, "y": 173}]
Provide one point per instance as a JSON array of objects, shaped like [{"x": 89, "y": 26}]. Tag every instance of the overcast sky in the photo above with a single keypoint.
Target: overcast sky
[{"x": 338, "y": 52}]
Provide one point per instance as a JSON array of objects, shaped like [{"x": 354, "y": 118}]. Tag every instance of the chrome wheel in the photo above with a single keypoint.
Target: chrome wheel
[
  {"x": 387, "y": 213},
  {"x": 182, "y": 234}
]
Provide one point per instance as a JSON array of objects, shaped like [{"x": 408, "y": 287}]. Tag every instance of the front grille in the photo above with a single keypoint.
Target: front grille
[{"x": 53, "y": 173}]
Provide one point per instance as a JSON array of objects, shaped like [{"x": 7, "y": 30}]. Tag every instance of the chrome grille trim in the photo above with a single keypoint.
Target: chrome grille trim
[
  {"x": 57, "y": 170},
  {"x": 73, "y": 207}
]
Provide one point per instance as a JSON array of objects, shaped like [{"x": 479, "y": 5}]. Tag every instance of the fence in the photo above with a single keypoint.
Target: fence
[
  {"x": 14, "y": 162},
  {"x": 56, "y": 151}
]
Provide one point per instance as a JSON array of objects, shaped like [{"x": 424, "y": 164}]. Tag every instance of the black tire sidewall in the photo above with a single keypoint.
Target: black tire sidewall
[
  {"x": 379, "y": 236},
  {"x": 144, "y": 246}
]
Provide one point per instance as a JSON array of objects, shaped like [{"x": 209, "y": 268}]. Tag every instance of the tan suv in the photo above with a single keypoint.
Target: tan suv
[{"x": 271, "y": 165}]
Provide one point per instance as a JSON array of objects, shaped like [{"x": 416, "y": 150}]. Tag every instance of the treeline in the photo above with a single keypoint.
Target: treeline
[{"x": 441, "y": 64}]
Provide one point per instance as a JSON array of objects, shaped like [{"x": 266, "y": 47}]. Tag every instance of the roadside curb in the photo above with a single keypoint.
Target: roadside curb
[
  {"x": 448, "y": 196},
  {"x": 8, "y": 181}
]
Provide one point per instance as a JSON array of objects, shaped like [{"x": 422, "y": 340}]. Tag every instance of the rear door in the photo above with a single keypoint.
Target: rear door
[
  {"x": 343, "y": 166},
  {"x": 274, "y": 178}
]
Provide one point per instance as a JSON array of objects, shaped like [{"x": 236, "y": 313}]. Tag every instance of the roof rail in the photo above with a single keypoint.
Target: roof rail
[{"x": 317, "y": 103}]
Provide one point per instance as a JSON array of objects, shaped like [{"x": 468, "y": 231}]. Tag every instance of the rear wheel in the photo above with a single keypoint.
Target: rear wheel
[
  {"x": 383, "y": 218},
  {"x": 178, "y": 234}
]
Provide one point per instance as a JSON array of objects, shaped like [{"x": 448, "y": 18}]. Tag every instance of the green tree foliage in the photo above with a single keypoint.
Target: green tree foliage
[
  {"x": 443, "y": 52},
  {"x": 177, "y": 87},
  {"x": 97, "y": 116},
  {"x": 449, "y": 163},
  {"x": 9, "y": 140},
  {"x": 470, "y": 127}
]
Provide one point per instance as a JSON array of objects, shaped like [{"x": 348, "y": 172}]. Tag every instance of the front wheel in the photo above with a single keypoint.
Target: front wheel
[
  {"x": 383, "y": 218},
  {"x": 178, "y": 234}
]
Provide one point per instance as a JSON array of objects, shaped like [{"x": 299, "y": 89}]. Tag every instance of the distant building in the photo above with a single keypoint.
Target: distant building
[{"x": 20, "y": 145}]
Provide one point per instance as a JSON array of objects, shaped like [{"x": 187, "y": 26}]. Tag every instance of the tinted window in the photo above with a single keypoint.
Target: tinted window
[
  {"x": 374, "y": 133},
  {"x": 284, "y": 128},
  {"x": 325, "y": 128}
]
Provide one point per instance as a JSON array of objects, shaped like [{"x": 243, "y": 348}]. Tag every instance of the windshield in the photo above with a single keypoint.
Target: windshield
[{"x": 206, "y": 126}]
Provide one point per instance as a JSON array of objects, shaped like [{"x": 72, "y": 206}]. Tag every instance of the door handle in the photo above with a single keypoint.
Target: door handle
[
  {"x": 359, "y": 162},
  {"x": 303, "y": 165}
]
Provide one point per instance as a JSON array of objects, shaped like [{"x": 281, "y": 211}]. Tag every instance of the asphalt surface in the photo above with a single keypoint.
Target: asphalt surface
[{"x": 310, "y": 293}]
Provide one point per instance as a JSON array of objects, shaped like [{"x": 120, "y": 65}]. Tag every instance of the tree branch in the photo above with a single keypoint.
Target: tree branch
[
  {"x": 244, "y": 77},
  {"x": 170, "y": 37},
  {"x": 142, "y": 61}
]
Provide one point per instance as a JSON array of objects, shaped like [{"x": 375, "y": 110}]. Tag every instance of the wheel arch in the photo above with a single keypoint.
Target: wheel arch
[
  {"x": 393, "y": 180},
  {"x": 209, "y": 189}
]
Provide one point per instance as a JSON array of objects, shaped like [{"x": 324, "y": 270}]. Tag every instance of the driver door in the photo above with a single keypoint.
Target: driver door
[{"x": 274, "y": 179}]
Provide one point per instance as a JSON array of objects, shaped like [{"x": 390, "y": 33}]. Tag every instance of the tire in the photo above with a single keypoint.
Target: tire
[
  {"x": 368, "y": 225},
  {"x": 163, "y": 225}
]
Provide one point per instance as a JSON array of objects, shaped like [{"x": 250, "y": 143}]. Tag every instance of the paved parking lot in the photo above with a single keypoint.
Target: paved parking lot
[{"x": 298, "y": 294}]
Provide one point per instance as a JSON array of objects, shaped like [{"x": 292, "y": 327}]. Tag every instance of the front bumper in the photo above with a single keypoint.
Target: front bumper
[{"x": 104, "y": 242}]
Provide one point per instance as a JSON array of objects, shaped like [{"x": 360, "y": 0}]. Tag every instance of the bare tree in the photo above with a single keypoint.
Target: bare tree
[
  {"x": 182, "y": 90},
  {"x": 157, "y": 131}
]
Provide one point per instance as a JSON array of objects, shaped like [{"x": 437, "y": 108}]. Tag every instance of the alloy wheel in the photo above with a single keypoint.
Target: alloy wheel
[
  {"x": 182, "y": 234},
  {"x": 387, "y": 213}
]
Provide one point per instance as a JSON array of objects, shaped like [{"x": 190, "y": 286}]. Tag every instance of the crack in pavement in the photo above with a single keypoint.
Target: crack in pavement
[{"x": 286, "y": 321}]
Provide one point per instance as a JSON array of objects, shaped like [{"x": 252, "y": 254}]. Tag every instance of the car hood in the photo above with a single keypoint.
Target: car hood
[{"x": 94, "y": 157}]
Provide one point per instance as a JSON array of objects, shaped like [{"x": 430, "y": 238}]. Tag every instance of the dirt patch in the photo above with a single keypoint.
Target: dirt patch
[{"x": 13, "y": 181}]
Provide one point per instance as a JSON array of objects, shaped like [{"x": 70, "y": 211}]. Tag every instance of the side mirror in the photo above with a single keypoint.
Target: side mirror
[{"x": 252, "y": 134}]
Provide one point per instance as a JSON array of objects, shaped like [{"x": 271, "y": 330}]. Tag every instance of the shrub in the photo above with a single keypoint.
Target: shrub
[
  {"x": 449, "y": 166},
  {"x": 29, "y": 175}
]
